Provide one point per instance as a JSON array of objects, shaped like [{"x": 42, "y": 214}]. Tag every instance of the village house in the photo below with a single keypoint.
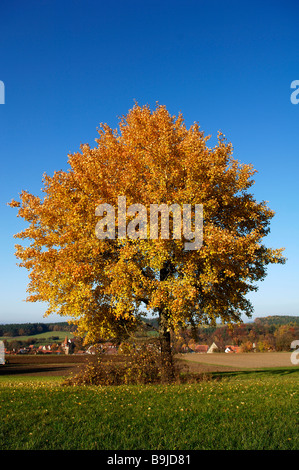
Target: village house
[
  {"x": 67, "y": 346},
  {"x": 232, "y": 349},
  {"x": 205, "y": 349},
  {"x": 201, "y": 348}
]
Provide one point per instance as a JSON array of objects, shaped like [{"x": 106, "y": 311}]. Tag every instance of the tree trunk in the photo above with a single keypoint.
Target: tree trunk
[
  {"x": 164, "y": 336},
  {"x": 167, "y": 365}
]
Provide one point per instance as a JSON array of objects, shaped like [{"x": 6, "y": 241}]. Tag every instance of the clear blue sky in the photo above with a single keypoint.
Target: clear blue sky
[{"x": 68, "y": 65}]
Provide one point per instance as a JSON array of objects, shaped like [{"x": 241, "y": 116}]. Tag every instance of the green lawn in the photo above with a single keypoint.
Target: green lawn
[{"x": 257, "y": 410}]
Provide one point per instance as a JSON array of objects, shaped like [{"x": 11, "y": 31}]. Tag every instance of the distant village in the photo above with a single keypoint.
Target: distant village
[
  {"x": 68, "y": 346},
  {"x": 273, "y": 333}
]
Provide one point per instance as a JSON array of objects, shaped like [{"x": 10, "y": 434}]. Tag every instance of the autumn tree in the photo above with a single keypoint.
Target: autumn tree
[{"x": 106, "y": 284}]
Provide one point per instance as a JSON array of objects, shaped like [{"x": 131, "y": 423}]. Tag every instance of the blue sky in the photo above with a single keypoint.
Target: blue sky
[{"x": 69, "y": 65}]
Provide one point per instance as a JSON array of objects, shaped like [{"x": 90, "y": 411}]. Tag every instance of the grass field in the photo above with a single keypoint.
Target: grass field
[
  {"x": 41, "y": 338},
  {"x": 249, "y": 409}
]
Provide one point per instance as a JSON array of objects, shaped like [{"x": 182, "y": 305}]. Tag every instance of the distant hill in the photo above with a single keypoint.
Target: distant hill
[
  {"x": 278, "y": 320},
  {"x": 151, "y": 321},
  {"x": 31, "y": 329}
]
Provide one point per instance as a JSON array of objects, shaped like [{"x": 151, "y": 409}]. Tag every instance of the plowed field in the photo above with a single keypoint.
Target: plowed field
[{"x": 239, "y": 361}]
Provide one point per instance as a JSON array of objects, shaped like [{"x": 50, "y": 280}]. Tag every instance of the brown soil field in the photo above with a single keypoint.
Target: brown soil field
[
  {"x": 239, "y": 361},
  {"x": 64, "y": 365},
  {"x": 48, "y": 365}
]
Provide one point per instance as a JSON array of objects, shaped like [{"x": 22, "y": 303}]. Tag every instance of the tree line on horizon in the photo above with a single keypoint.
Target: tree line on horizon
[
  {"x": 263, "y": 334},
  {"x": 31, "y": 329},
  {"x": 273, "y": 333}
]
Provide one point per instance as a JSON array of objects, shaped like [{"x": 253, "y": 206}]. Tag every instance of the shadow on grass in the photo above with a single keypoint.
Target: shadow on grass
[
  {"x": 42, "y": 370},
  {"x": 277, "y": 371}
]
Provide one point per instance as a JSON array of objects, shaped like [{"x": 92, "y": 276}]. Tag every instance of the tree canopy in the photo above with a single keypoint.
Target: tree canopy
[{"x": 106, "y": 284}]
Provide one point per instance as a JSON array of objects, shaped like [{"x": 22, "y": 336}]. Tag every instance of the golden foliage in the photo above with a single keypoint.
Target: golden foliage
[{"x": 102, "y": 284}]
